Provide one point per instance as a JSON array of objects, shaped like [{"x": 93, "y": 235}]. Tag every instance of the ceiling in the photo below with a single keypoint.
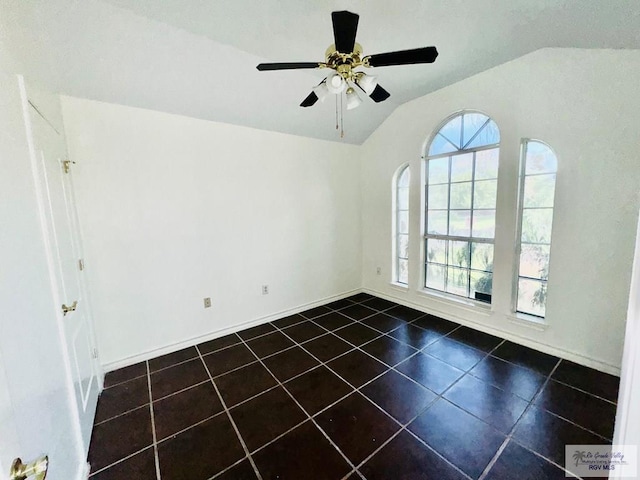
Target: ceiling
[{"x": 198, "y": 57}]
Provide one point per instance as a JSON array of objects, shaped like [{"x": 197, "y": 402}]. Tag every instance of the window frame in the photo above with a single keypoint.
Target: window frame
[
  {"x": 405, "y": 167},
  {"x": 463, "y": 300},
  {"x": 529, "y": 317}
]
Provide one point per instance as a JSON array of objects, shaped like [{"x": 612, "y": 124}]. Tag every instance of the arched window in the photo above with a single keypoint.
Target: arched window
[
  {"x": 461, "y": 181},
  {"x": 401, "y": 225},
  {"x": 538, "y": 168}
]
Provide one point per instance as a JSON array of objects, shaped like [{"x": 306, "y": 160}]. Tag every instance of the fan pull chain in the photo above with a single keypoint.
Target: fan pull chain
[
  {"x": 337, "y": 113},
  {"x": 341, "y": 118}
]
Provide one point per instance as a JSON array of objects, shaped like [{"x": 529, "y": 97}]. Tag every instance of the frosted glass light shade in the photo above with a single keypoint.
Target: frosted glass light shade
[
  {"x": 321, "y": 91},
  {"x": 367, "y": 83},
  {"x": 353, "y": 100},
  {"x": 335, "y": 83}
]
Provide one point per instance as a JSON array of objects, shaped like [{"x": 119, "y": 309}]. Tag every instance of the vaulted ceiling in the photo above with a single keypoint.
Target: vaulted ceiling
[{"x": 198, "y": 57}]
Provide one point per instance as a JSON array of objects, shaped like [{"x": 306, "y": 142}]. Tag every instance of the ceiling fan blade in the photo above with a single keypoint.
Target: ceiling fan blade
[
  {"x": 310, "y": 100},
  {"x": 379, "y": 94},
  {"x": 286, "y": 66},
  {"x": 345, "y": 26},
  {"x": 404, "y": 57}
]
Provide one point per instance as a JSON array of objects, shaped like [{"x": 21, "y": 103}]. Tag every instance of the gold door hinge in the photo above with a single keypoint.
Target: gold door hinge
[
  {"x": 71, "y": 308},
  {"x": 66, "y": 164},
  {"x": 37, "y": 469},
  {"x": 81, "y": 264}
]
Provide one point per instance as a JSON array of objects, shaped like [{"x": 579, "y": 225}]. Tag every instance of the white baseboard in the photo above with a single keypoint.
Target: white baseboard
[
  {"x": 149, "y": 354},
  {"x": 542, "y": 347}
]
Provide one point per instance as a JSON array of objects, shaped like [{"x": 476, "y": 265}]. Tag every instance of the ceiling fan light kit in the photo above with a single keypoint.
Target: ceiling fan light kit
[
  {"x": 353, "y": 100},
  {"x": 367, "y": 82},
  {"x": 321, "y": 90},
  {"x": 336, "y": 83},
  {"x": 344, "y": 56}
]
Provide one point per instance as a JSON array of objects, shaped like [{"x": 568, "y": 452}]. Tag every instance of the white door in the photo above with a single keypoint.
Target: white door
[
  {"x": 48, "y": 374},
  {"x": 54, "y": 173}
]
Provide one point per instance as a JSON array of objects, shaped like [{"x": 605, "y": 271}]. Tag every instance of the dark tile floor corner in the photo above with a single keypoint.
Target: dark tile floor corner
[{"x": 358, "y": 388}]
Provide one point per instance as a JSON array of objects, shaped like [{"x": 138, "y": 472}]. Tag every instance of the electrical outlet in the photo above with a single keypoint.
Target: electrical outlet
[
  {"x": 265, "y": 289},
  {"x": 207, "y": 302},
  {"x": 378, "y": 271}
]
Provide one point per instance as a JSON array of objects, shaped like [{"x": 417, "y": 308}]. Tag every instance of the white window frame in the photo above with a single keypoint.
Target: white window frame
[
  {"x": 528, "y": 317},
  {"x": 433, "y": 293},
  {"x": 395, "y": 224}
]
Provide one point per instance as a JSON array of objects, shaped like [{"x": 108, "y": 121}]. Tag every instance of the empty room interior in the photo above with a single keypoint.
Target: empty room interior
[{"x": 409, "y": 255}]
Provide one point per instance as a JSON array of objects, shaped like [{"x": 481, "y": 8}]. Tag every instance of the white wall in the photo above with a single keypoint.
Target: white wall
[
  {"x": 176, "y": 209},
  {"x": 584, "y": 103}
]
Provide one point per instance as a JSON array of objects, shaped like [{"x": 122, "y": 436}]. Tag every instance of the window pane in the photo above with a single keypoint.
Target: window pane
[
  {"x": 487, "y": 164},
  {"x": 436, "y": 252},
  {"x": 536, "y": 225},
  {"x": 534, "y": 261},
  {"x": 403, "y": 222},
  {"x": 438, "y": 171},
  {"x": 540, "y": 159},
  {"x": 539, "y": 191},
  {"x": 481, "y": 282},
  {"x": 459, "y": 223},
  {"x": 457, "y": 281},
  {"x": 403, "y": 271},
  {"x": 462, "y": 167},
  {"x": 532, "y": 297},
  {"x": 461, "y": 195},
  {"x": 438, "y": 197},
  {"x": 484, "y": 194},
  {"x": 435, "y": 277},
  {"x": 489, "y": 135},
  {"x": 484, "y": 223},
  {"x": 437, "y": 222},
  {"x": 403, "y": 181},
  {"x": 459, "y": 254},
  {"x": 403, "y": 246},
  {"x": 452, "y": 130},
  {"x": 441, "y": 145},
  {"x": 403, "y": 198},
  {"x": 482, "y": 256},
  {"x": 465, "y": 208},
  {"x": 472, "y": 123}
]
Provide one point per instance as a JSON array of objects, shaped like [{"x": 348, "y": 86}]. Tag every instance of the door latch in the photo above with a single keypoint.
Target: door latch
[
  {"x": 37, "y": 469},
  {"x": 70, "y": 308}
]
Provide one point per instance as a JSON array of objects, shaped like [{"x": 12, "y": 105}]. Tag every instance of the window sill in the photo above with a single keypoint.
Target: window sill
[
  {"x": 452, "y": 300},
  {"x": 529, "y": 321},
  {"x": 399, "y": 286}
]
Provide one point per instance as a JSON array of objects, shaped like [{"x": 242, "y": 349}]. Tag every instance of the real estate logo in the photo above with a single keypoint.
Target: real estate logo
[{"x": 619, "y": 461}]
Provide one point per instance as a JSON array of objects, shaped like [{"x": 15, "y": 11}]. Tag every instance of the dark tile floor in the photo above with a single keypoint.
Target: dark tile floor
[{"x": 359, "y": 388}]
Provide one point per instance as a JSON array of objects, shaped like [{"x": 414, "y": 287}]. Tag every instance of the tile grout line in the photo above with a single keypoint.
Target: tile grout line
[
  {"x": 371, "y": 381},
  {"x": 615, "y": 404},
  {"x": 358, "y": 389},
  {"x": 513, "y": 429},
  {"x": 465, "y": 372},
  {"x": 233, "y": 423},
  {"x": 124, "y": 381},
  {"x": 403, "y": 427},
  {"x": 121, "y": 414},
  {"x": 120, "y": 460},
  {"x": 310, "y": 417},
  {"x": 153, "y": 425}
]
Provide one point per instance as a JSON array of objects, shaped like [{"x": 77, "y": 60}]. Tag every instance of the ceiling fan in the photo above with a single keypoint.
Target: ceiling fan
[{"x": 344, "y": 57}]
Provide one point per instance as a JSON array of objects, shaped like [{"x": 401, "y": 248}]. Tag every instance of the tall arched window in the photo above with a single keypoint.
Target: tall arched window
[
  {"x": 401, "y": 225},
  {"x": 461, "y": 182},
  {"x": 538, "y": 168}
]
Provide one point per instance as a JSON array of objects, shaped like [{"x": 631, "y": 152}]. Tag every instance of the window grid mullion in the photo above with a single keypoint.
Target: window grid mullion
[{"x": 448, "y": 238}]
